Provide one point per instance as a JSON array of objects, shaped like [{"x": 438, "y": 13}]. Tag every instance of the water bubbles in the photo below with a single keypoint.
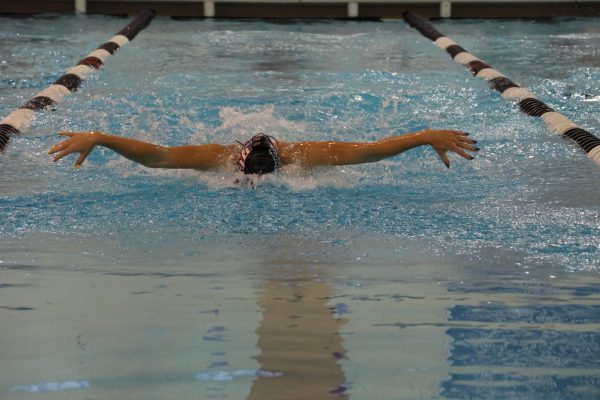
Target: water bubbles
[{"x": 52, "y": 386}]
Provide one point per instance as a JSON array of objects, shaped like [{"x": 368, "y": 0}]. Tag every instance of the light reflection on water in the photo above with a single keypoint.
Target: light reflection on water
[
  {"x": 397, "y": 280},
  {"x": 272, "y": 315}
]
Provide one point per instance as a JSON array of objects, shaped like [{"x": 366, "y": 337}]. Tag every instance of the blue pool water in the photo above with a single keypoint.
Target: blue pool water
[{"x": 400, "y": 279}]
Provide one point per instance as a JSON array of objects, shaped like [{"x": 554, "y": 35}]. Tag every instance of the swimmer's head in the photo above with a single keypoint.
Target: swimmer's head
[{"x": 259, "y": 155}]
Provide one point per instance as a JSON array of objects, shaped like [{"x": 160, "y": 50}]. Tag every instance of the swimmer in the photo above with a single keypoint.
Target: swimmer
[{"x": 263, "y": 154}]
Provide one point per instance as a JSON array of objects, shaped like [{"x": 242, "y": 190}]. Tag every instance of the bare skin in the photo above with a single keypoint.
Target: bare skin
[{"x": 306, "y": 154}]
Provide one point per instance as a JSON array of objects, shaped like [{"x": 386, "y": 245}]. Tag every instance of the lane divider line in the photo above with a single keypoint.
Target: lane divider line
[
  {"x": 19, "y": 120},
  {"x": 509, "y": 90}
]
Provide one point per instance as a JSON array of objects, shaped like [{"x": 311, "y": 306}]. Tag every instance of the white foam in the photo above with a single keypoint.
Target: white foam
[
  {"x": 583, "y": 36},
  {"x": 52, "y": 386},
  {"x": 243, "y": 125},
  {"x": 222, "y": 376},
  {"x": 591, "y": 99},
  {"x": 294, "y": 178}
]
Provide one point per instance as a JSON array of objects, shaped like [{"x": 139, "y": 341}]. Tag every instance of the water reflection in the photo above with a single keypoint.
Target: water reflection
[
  {"x": 299, "y": 338},
  {"x": 545, "y": 345}
]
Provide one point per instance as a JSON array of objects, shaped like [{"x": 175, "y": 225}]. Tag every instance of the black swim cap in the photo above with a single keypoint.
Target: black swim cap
[{"x": 259, "y": 155}]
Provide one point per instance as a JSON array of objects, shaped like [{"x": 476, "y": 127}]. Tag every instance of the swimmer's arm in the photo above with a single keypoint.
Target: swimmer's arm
[
  {"x": 312, "y": 154},
  {"x": 202, "y": 157}
]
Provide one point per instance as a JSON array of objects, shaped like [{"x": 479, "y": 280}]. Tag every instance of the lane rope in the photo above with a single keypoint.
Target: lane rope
[
  {"x": 19, "y": 120},
  {"x": 527, "y": 102}
]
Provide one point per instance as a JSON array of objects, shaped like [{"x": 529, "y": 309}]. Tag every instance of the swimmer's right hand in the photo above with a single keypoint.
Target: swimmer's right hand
[
  {"x": 444, "y": 141},
  {"x": 77, "y": 142}
]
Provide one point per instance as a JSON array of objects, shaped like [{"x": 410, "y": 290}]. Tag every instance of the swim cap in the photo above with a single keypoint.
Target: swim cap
[{"x": 259, "y": 155}]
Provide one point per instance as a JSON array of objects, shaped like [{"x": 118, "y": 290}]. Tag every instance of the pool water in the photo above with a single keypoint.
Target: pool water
[{"x": 395, "y": 280}]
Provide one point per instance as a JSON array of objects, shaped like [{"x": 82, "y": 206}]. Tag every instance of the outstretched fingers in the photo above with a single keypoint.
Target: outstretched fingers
[
  {"x": 464, "y": 142},
  {"x": 463, "y": 153},
  {"x": 58, "y": 147},
  {"x": 456, "y": 142},
  {"x": 443, "y": 157},
  {"x": 62, "y": 145},
  {"x": 82, "y": 156},
  {"x": 76, "y": 142},
  {"x": 61, "y": 154}
]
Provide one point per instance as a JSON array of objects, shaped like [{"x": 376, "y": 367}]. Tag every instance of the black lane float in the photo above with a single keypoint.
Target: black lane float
[
  {"x": 527, "y": 102},
  {"x": 18, "y": 121}
]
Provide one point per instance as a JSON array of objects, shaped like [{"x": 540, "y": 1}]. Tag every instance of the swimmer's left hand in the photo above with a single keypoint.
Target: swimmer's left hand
[{"x": 77, "y": 142}]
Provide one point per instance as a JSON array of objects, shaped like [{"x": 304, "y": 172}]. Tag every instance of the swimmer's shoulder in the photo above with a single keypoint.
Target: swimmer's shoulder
[{"x": 288, "y": 152}]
